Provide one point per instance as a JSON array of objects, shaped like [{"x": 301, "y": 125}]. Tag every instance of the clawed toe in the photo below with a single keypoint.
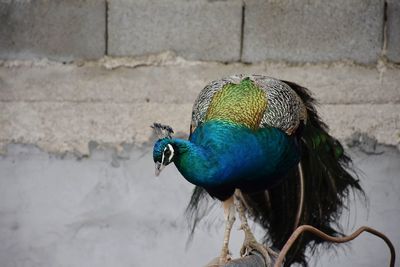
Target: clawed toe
[
  {"x": 250, "y": 244},
  {"x": 267, "y": 253}
]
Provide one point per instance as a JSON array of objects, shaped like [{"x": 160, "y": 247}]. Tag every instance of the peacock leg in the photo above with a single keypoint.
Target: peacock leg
[
  {"x": 250, "y": 243},
  {"x": 229, "y": 214}
]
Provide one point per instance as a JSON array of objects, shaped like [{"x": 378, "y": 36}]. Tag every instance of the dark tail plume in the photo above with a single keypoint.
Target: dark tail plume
[{"x": 328, "y": 181}]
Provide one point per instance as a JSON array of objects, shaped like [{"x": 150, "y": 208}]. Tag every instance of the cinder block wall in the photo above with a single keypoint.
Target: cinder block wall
[
  {"x": 227, "y": 31},
  {"x": 77, "y": 190}
]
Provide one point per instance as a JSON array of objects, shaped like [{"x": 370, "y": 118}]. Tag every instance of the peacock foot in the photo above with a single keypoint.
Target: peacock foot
[{"x": 250, "y": 243}]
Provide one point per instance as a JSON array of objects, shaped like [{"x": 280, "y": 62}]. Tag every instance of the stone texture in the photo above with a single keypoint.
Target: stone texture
[
  {"x": 63, "y": 107},
  {"x": 393, "y": 30},
  {"x": 379, "y": 121},
  {"x": 71, "y": 126},
  {"x": 201, "y": 30},
  {"x": 180, "y": 82},
  {"x": 65, "y": 126},
  {"x": 313, "y": 31},
  {"x": 59, "y": 30}
]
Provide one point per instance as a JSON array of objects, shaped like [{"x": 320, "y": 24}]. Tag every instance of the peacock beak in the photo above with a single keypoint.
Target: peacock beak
[{"x": 159, "y": 168}]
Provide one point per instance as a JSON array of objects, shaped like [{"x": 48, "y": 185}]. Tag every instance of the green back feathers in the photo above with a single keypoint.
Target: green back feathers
[{"x": 242, "y": 103}]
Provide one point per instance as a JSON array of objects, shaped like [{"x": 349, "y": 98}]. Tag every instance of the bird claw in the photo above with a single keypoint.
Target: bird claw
[
  {"x": 245, "y": 251},
  {"x": 250, "y": 244},
  {"x": 268, "y": 254}
]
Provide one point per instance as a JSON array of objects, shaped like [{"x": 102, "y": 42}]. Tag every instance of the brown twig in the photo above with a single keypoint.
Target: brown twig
[
  {"x": 255, "y": 259},
  {"x": 313, "y": 230}
]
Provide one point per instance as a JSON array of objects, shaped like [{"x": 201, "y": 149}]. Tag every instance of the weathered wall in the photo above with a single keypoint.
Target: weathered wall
[
  {"x": 64, "y": 107},
  {"x": 88, "y": 196},
  {"x": 194, "y": 29},
  {"x": 56, "y": 29},
  {"x": 76, "y": 174},
  {"x": 393, "y": 30},
  {"x": 110, "y": 210},
  {"x": 239, "y": 30},
  {"x": 313, "y": 30}
]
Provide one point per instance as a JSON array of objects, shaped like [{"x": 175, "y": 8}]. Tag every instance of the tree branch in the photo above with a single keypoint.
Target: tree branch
[
  {"x": 343, "y": 239},
  {"x": 255, "y": 259}
]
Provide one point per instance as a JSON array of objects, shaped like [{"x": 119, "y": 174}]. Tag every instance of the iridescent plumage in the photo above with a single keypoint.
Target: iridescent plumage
[
  {"x": 284, "y": 108},
  {"x": 249, "y": 132}
]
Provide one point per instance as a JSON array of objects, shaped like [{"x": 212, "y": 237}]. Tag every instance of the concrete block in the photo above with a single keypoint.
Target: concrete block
[
  {"x": 180, "y": 84},
  {"x": 199, "y": 30},
  {"x": 59, "y": 30},
  {"x": 393, "y": 30},
  {"x": 69, "y": 126},
  {"x": 304, "y": 31},
  {"x": 63, "y": 107}
]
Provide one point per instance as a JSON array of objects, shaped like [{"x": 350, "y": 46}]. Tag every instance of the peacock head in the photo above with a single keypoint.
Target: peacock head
[
  {"x": 163, "y": 154},
  {"x": 163, "y": 150}
]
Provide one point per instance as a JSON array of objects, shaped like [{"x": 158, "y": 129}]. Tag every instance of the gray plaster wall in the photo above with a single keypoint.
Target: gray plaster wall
[
  {"x": 76, "y": 172},
  {"x": 193, "y": 29},
  {"x": 110, "y": 210},
  {"x": 228, "y": 31},
  {"x": 393, "y": 30},
  {"x": 58, "y": 30},
  {"x": 306, "y": 31}
]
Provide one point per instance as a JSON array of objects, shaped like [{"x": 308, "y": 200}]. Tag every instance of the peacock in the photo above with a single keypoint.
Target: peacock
[{"x": 258, "y": 145}]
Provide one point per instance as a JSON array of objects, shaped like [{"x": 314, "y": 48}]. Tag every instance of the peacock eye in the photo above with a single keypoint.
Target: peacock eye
[{"x": 167, "y": 153}]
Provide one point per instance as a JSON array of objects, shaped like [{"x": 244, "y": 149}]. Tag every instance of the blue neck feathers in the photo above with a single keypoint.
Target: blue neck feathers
[{"x": 220, "y": 153}]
